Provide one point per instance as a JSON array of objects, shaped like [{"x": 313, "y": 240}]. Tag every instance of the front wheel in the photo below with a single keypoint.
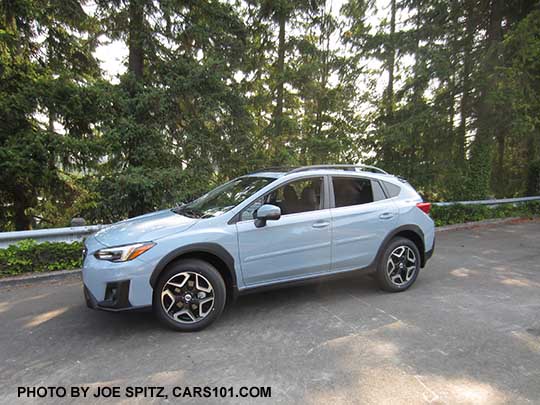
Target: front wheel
[
  {"x": 399, "y": 265},
  {"x": 189, "y": 295}
]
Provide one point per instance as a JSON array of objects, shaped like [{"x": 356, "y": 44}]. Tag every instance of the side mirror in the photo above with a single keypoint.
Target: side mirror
[{"x": 266, "y": 212}]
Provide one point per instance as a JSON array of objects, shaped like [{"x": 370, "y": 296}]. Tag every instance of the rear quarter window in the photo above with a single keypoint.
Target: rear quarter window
[{"x": 392, "y": 189}]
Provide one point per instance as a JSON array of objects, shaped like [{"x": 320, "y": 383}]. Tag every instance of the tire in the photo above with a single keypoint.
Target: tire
[
  {"x": 399, "y": 265},
  {"x": 189, "y": 295}
]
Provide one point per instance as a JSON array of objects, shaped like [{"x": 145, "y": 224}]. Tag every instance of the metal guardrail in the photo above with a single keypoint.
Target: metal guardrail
[
  {"x": 489, "y": 202},
  {"x": 73, "y": 234},
  {"x": 69, "y": 235}
]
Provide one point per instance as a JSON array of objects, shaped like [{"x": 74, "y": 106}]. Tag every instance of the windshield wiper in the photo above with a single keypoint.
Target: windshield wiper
[{"x": 189, "y": 212}]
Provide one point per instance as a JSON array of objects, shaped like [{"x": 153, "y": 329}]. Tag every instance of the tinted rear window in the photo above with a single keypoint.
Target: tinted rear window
[{"x": 352, "y": 191}]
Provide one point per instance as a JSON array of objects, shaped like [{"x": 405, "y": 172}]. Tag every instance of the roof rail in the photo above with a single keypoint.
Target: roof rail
[
  {"x": 274, "y": 169},
  {"x": 343, "y": 167}
]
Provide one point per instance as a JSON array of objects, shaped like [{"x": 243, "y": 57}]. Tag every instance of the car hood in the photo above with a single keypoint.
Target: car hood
[{"x": 148, "y": 227}]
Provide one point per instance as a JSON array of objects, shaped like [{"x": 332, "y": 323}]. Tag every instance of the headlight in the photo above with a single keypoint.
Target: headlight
[{"x": 123, "y": 253}]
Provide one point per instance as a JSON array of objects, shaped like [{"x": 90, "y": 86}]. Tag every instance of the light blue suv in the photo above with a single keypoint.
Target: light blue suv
[{"x": 269, "y": 228}]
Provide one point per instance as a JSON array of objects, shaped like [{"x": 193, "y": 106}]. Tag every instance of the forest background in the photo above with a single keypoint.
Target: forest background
[{"x": 443, "y": 93}]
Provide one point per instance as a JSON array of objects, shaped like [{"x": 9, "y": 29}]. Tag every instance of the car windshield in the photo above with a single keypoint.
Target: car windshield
[{"x": 223, "y": 198}]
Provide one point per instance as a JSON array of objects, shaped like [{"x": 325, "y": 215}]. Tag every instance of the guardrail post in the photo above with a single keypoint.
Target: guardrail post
[{"x": 78, "y": 221}]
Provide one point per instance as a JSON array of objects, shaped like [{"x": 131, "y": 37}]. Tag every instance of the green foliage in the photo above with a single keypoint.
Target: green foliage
[
  {"x": 29, "y": 256},
  {"x": 214, "y": 89},
  {"x": 46, "y": 68},
  {"x": 458, "y": 214},
  {"x": 176, "y": 117},
  {"x": 533, "y": 179},
  {"x": 459, "y": 111}
]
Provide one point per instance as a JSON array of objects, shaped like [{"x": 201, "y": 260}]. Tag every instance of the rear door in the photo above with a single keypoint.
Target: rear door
[
  {"x": 296, "y": 245},
  {"x": 362, "y": 216}
]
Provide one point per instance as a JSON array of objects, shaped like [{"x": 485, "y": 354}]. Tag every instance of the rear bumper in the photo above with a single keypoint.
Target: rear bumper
[{"x": 429, "y": 253}]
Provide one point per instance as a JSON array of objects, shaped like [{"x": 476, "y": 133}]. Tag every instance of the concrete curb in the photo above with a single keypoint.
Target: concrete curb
[
  {"x": 483, "y": 224},
  {"x": 76, "y": 274},
  {"x": 33, "y": 278}
]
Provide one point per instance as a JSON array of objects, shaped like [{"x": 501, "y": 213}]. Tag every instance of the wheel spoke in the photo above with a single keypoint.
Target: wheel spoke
[
  {"x": 401, "y": 251},
  {"x": 391, "y": 266},
  {"x": 167, "y": 293},
  {"x": 411, "y": 256},
  {"x": 410, "y": 272},
  {"x": 201, "y": 287},
  {"x": 203, "y": 313},
  {"x": 182, "y": 283},
  {"x": 187, "y": 312}
]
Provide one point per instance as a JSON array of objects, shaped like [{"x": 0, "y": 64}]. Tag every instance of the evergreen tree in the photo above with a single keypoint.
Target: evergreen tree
[
  {"x": 176, "y": 117},
  {"x": 46, "y": 106},
  {"x": 443, "y": 93}
]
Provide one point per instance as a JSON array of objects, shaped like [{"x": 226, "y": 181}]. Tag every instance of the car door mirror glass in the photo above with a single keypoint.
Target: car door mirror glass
[{"x": 266, "y": 212}]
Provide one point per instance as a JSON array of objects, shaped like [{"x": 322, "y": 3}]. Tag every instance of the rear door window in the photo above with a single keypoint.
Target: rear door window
[{"x": 352, "y": 191}]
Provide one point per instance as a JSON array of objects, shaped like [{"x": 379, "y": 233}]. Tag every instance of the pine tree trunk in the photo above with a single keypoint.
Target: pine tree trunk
[
  {"x": 324, "y": 42},
  {"x": 391, "y": 63},
  {"x": 465, "y": 105},
  {"x": 136, "y": 68},
  {"x": 21, "y": 220},
  {"x": 533, "y": 165},
  {"x": 498, "y": 172},
  {"x": 280, "y": 67},
  {"x": 386, "y": 149},
  {"x": 481, "y": 150},
  {"x": 136, "y": 41}
]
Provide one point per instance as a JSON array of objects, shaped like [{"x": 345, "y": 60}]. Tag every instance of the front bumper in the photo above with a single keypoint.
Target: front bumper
[
  {"x": 116, "y": 297},
  {"x": 115, "y": 286}
]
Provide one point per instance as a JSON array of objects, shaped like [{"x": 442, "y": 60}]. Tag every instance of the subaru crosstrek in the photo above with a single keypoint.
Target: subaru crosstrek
[{"x": 268, "y": 228}]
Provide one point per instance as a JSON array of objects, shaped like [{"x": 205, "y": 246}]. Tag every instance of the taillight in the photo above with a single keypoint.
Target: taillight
[{"x": 424, "y": 206}]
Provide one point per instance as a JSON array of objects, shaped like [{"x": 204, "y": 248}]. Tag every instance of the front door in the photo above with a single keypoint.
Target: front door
[{"x": 295, "y": 246}]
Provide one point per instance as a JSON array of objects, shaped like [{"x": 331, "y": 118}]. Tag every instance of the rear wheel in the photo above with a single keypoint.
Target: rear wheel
[
  {"x": 399, "y": 265},
  {"x": 189, "y": 295}
]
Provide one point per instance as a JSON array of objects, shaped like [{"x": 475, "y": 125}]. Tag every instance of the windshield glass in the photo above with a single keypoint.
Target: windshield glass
[{"x": 223, "y": 198}]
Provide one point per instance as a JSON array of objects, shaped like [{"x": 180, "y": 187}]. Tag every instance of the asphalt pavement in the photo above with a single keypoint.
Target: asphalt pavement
[{"x": 468, "y": 331}]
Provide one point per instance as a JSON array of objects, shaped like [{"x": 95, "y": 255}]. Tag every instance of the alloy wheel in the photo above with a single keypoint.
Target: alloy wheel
[
  {"x": 187, "y": 297},
  {"x": 401, "y": 265}
]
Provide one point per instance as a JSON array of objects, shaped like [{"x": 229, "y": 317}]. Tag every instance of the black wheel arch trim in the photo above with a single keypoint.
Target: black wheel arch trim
[
  {"x": 210, "y": 248},
  {"x": 411, "y": 228}
]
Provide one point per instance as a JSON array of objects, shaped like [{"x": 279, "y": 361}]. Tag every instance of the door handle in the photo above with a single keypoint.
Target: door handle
[
  {"x": 386, "y": 215},
  {"x": 320, "y": 224}
]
